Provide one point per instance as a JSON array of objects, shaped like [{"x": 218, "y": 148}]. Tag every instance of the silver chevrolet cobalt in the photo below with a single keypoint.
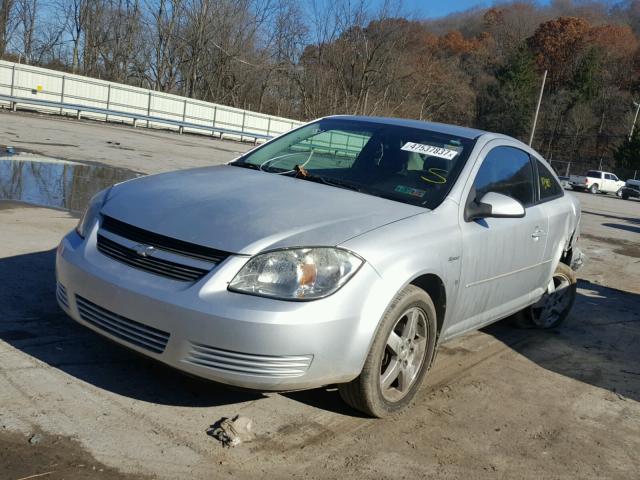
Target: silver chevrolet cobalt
[{"x": 343, "y": 252}]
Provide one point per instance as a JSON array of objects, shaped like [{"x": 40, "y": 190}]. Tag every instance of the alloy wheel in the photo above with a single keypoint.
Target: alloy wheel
[{"x": 404, "y": 354}]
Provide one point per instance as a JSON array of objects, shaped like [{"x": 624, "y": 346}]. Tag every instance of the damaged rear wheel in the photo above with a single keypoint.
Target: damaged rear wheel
[{"x": 554, "y": 306}]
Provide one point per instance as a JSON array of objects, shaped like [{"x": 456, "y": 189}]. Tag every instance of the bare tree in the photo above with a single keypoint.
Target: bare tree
[
  {"x": 26, "y": 12},
  {"x": 75, "y": 14},
  {"x": 6, "y": 17},
  {"x": 163, "y": 25}
]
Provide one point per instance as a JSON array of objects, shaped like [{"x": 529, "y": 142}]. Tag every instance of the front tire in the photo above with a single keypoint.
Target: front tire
[
  {"x": 399, "y": 357},
  {"x": 554, "y": 306},
  {"x": 619, "y": 193},
  {"x": 593, "y": 189}
]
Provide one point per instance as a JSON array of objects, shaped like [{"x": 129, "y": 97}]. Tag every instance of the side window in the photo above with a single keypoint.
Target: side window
[
  {"x": 608, "y": 176},
  {"x": 506, "y": 170},
  {"x": 549, "y": 187},
  {"x": 615, "y": 178}
]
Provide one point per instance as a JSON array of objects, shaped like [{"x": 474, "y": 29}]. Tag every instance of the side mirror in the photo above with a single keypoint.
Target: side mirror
[{"x": 495, "y": 205}]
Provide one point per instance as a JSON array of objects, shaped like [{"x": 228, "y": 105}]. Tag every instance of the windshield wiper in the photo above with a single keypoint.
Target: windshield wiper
[
  {"x": 303, "y": 174},
  {"x": 343, "y": 184},
  {"x": 252, "y": 166}
]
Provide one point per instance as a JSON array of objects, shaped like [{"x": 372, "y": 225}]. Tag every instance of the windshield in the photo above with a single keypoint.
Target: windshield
[{"x": 407, "y": 165}]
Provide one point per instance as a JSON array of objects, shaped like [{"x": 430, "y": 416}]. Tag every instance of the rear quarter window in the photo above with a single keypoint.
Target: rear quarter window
[{"x": 548, "y": 185}]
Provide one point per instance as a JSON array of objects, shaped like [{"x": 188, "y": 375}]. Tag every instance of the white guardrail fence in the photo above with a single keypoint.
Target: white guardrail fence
[{"x": 61, "y": 93}]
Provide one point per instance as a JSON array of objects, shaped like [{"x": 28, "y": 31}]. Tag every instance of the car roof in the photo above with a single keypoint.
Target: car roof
[{"x": 454, "y": 130}]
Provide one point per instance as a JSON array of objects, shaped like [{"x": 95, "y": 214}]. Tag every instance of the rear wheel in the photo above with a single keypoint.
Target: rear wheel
[
  {"x": 399, "y": 357},
  {"x": 593, "y": 188},
  {"x": 555, "y": 305}
]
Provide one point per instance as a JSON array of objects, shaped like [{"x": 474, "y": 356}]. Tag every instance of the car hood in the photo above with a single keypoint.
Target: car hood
[{"x": 246, "y": 211}]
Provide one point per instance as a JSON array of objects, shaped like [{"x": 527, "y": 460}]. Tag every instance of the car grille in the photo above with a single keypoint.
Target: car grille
[
  {"x": 61, "y": 295},
  {"x": 133, "y": 332},
  {"x": 248, "y": 364},
  {"x": 169, "y": 257},
  {"x": 154, "y": 265},
  {"x": 163, "y": 242}
]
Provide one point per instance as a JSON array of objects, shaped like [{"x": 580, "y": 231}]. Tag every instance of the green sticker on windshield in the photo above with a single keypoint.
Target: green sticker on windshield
[{"x": 414, "y": 192}]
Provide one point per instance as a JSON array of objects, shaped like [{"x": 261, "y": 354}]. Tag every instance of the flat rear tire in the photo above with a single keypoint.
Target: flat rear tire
[{"x": 554, "y": 306}]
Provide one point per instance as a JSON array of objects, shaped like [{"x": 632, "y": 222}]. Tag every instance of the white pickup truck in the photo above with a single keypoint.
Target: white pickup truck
[{"x": 596, "y": 181}]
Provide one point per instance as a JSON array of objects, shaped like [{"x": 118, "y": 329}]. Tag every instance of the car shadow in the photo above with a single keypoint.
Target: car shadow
[
  {"x": 620, "y": 226},
  {"x": 616, "y": 217},
  {"x": 31, "y": 321},
  {"x": 598, "y": 344}
]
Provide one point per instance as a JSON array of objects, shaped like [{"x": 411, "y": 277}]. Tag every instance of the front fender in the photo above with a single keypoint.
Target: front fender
[{"x": 403, "y": 251}]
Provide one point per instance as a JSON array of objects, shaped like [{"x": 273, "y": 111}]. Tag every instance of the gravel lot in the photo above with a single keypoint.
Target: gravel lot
[{"x": 499, "y": 403}]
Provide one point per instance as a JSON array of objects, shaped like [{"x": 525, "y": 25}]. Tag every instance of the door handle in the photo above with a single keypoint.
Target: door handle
[{"x": 537, "y": 233}]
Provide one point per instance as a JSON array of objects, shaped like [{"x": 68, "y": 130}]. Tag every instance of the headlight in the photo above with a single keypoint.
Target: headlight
[
  {"x": 91, "y": 213},
  {"x": 296, "y": 274}
]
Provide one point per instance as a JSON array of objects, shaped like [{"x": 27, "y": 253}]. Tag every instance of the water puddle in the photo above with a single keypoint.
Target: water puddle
[{"x": 55, "y": 183}]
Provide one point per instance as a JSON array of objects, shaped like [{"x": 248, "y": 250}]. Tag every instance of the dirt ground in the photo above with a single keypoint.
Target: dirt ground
[{"x": 499, "y": 403}]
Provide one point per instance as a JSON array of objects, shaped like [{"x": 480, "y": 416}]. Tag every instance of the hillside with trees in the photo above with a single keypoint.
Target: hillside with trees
[{"x": 309, "y": 58}]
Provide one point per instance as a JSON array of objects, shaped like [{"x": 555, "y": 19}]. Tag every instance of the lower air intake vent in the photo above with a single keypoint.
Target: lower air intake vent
[
  {"x": 248, "y": 364},
  {"x": 61, "y": 295},
  {"x": 123, "y": 328}
]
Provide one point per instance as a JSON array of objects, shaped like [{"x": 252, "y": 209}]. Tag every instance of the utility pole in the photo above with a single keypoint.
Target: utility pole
[
  {"x": 635, "y": 118},
  {"x": 535, "y": 118}
]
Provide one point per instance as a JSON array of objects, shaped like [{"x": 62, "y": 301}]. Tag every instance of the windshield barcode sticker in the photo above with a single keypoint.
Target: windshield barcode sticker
[{"x": 430, "y": 150}]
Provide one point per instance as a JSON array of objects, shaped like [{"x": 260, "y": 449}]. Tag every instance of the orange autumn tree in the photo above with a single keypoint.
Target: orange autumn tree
[{"x": 555, "y": 44}]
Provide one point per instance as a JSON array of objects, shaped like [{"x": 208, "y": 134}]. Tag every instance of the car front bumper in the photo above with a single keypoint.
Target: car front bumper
[{"x": 203, "y": 329}]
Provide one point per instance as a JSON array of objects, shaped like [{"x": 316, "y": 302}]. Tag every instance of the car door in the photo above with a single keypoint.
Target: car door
[
  {"x": 608, "y": 183},
  {"x": 502, "y": 257}
]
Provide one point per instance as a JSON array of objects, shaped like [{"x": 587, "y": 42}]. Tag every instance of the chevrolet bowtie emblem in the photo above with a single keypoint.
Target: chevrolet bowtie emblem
[{"x": 144, "y": 250}]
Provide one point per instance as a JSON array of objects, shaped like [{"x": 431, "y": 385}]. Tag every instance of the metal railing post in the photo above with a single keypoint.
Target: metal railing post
[
  {"x": 13, "y": 82},
  {"x": 184, "y": 116},
  {"x": 13, "y": 78},
  {"x": 244, "y": 117},
  {"x": 149, "y": 108},
  {"x": 106, "y": 117},
  {"x": 269, "y": 127},
  {"x": 62, "y": 94},
  {"x": 213, "y": 124}
]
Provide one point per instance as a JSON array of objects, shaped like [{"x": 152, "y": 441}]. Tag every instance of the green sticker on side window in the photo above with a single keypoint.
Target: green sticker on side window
[{"x": 414, "y": 192}]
